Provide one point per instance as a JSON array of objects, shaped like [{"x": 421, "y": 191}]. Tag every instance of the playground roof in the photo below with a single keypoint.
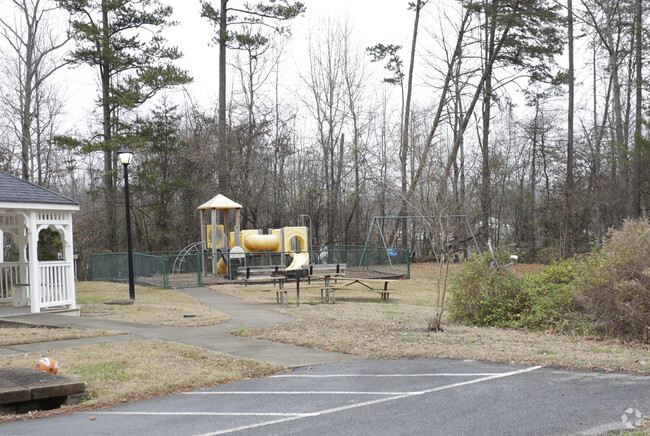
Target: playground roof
[{"x": 220, "y": 202}]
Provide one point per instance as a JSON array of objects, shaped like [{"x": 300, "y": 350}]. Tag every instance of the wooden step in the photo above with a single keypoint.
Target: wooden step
[{"x": 26, "y": 389}]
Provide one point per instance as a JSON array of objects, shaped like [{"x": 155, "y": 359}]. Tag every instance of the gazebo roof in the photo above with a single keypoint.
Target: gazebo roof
[
  {"x": 220, "y": 202},
  {"x": 15, "y": 190}
]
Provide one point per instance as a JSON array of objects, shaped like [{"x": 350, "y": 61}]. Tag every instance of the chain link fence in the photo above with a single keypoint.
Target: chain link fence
[{"x": 173, "y": 270}]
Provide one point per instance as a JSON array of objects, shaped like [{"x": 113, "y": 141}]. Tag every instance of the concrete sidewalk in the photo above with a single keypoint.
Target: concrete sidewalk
[{"x": 216, "y": 338}]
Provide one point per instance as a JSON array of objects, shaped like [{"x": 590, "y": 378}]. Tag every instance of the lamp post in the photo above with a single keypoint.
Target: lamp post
[{"x": 126, "y": 156}]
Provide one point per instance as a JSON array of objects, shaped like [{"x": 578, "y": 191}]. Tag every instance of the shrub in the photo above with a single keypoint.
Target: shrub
[
  {"x": 615, "y": 284},
  {"x": 550, "y": 297},
  {"x": 482, "y": 295},
  {"x": 607, "y": 292}
]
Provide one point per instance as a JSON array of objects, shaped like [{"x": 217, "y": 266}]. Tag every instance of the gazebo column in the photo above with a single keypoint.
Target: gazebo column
[
  {"x": 34, "y": 277},
  {"x": 21, "y": 240},
  {"x": 68, "y": 256}
]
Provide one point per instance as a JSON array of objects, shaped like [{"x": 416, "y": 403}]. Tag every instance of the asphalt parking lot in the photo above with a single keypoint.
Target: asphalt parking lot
[{"x": 381, "y": 397}]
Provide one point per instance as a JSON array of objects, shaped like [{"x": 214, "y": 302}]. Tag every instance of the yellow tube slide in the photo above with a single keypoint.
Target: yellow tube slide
[{"x": 261, "y": 242}]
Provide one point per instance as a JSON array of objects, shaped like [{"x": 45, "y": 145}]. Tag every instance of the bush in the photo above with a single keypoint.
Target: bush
[
  {"x": 606, "y": 292},
  {"x": 550, "y": 297},
  {"x": 482, "y": 295},
  {"x": 486, "y": 296},
  {"x": 615, "y": 284}
]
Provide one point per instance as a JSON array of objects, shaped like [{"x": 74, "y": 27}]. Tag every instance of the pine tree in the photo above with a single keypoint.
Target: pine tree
[{"x": 122, "y": 39}]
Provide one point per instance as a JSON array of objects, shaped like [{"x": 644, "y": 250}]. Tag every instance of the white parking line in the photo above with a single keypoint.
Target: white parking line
[
  {"x": 296, "y": 393},
  {"x": 299, "y": 415},
  {"x": 373, "y": 402},
  {"x": 382, "y": 375},
  {"x": 285, "y": 417}
]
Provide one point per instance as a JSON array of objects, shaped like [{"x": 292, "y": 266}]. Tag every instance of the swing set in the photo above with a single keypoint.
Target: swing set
[{"x": 453, "y": 241}]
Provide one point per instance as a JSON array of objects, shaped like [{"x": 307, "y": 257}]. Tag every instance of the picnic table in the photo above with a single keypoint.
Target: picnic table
[
  {"x": 332, "y": 280},
  {"x": 305, "y": 283},
  {"x": 324, "y": 288},
  {"x": 319, "y": 271}
]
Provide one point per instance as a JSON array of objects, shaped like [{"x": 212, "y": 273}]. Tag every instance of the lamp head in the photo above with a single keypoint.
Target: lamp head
[{"x": 125, "y": 155}]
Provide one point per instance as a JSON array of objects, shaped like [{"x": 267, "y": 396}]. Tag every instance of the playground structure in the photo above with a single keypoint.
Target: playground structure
[
  {"x": 228, "y": 248},
  {"x": 225, "y": 251}
]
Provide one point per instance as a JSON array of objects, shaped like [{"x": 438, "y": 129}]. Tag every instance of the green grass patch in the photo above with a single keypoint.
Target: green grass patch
[{"x": 106, "y": 371}]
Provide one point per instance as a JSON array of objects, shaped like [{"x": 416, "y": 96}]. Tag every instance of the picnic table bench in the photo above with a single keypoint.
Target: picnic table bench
[
  {"x": 254, "y": 272},
  {"x": 327, "y": 268},
  {"x": 278, "y": 286},
  {"x": 377, "y": 285}
]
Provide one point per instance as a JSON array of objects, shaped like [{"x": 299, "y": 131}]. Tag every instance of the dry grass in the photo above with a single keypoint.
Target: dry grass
[
  {"x": 152, "y": 305},
  {"x": 118, "y": 373},
  {"x": 30, "y": 335},
  {"x": 360, "y": 324}
]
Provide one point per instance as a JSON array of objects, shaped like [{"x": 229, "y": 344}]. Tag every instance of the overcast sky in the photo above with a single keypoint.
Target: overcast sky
[{"x": 372, "y": 21}]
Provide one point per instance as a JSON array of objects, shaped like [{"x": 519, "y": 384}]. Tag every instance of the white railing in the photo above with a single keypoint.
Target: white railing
[
  {"x": 55, "y": 287},
  {"x": 54, "y": 278},
  {"x": 9, "y": 274},
  {"x": 51, "y": 217}
]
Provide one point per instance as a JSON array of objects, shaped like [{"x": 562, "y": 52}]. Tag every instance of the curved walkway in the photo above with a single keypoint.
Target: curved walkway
[{"x": 215, "y": 338}]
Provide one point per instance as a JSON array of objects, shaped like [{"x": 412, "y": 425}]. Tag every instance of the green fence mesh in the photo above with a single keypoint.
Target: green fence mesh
[{"x": 174, "y": 270}]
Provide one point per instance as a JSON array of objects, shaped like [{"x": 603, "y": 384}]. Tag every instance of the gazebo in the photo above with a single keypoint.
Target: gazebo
[{"x": 25, "y": 210}]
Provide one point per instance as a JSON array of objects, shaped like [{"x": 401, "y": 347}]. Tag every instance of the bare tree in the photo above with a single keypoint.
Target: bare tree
[
  {"x": 607, "y": 19},
  {"x": 638, "y": 121},
  {"x": 33, "y": 61},
  {"x": 355, "y": 78},
  {"x": 568, "y": 240},
  {"x": 379, "y": 52},
  {"x": 224, "y": 18},
  {"x": 328, "y": 107}
]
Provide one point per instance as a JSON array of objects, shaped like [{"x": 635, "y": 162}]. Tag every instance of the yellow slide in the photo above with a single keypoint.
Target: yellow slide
[{"x": 299, "y": 260}]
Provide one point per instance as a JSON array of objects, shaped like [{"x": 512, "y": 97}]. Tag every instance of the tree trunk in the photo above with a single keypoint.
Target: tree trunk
[
  {"x": 568, "y": 240},
  {"x": 222, "y": 148},
  {"x": 109, "y": 187},
  {"x": 636, "y": 168},
  {"x": 531, "y": 237},
  {"x": 485, "y": 192},
  {"x": 620, "y": 142},
  {"x": 26, "y": 122},
  {"x": 403, "y": 156}
]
